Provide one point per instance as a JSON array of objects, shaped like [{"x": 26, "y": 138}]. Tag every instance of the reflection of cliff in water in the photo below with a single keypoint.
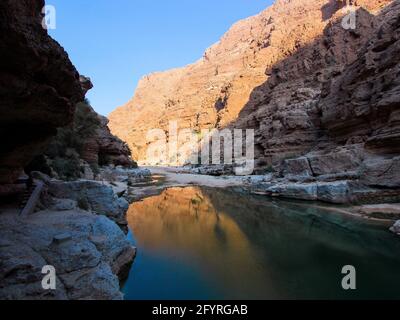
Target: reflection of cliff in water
[
  {"x": 184, "y": 220},
  {"x": 310, "y": 245},
  {"x": 272, "y": 221},
  {"x": 251, "y": 247}
]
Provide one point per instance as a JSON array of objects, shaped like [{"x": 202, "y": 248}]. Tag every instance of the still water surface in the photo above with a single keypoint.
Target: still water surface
[{"x": 202, "y": 243}]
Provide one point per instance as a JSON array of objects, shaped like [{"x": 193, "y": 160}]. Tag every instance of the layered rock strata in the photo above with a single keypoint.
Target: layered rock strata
[{"x": 318, "y": 83}]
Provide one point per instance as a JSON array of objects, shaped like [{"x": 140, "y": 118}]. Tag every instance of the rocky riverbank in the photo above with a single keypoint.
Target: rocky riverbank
[
  {"x": 344, "y": 196},
  {"x": 79, "y": 229},
  {"x": 334, "y": 189}
]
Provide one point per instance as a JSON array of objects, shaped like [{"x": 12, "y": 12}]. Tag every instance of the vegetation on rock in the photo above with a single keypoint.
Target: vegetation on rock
[{"x": 65, "y": 154}]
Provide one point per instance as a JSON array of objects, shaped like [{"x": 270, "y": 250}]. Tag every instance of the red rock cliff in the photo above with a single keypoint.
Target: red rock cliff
[{"x": 266, "y": 73}]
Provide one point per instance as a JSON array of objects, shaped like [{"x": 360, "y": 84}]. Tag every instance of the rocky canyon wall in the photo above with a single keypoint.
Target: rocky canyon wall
[
  {"x": 322, "y": 96},
  {"x": 39, "y": 86},
  {"x": 65, "y": 226},
  {"x": 39, "y": 91},
  {"x": 265, "y": 68}
]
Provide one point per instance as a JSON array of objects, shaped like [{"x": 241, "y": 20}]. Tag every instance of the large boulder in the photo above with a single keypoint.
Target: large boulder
[
  {"x": 338, "y": 192},
  {"x": 306, "y": 191},
  {"x": 297, "y": 168},
  {"x": 88, "y": 252},
  {"x": 396, "y": 228},
  {"x": 92, "y": 195},
  {"x": 340, "y": 160},
  {"x": 382, "y": 172},
  {"x": 335, "y": 192}
]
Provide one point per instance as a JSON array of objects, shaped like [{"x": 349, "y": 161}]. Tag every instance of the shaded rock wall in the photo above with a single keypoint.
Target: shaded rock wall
[
  {"x": 358, "y": 111},
  {"x": 104, "y": 148},
  {"x": 362, "y": 105},
  {"x": 39, "y": 86}
]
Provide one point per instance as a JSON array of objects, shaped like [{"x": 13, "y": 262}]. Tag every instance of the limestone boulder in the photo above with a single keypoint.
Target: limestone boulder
[
  {"x": 91, "y": 195},
  {"x": 341, "y": 160},
  {"x": 382, "y": 172},
  {"x": 396, "y": 228},
  {"x": 298, "y": 167},
  {"x": 88, "y": 252},
  {"x": 335, "y": 192},
  {"x": 295, "y": 191}
]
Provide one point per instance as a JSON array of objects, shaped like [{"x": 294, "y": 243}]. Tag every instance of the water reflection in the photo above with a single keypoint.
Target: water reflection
[{"x": 200, "y": 243}]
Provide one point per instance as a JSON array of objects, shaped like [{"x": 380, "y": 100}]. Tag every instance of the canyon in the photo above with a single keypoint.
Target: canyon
[{"x": 323, "y": 99}]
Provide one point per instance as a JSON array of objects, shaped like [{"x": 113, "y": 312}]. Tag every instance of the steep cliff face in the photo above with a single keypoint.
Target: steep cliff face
[
  {"x": 103, "y": 148},
  {"x": 330, "y": 112},
  {"x": 334, "y": 103},
  {"x": 267, "y": 73},
  {"x": 39, "y": 92},
  {"x": 361, "y": 107},
  {"x": 39, "y": 86}
]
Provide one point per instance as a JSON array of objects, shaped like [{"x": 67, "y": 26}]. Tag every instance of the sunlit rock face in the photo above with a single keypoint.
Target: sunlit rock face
[
  {"x": 266, "y": 73},
  {"x": 39, "y": 86}
]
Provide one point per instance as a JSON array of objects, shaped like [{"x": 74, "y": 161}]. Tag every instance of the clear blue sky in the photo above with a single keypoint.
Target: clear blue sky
[{"x": 116, "y": 42}]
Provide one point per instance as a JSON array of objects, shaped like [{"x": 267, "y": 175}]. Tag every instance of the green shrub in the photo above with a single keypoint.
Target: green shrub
[
  {"x": 67, "y": 168},
  {"x": 65, "y": 150}
]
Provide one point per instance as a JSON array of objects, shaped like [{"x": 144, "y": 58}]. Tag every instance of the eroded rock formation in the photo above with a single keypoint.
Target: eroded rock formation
[
  {"x": 282, "y": 47},
  {"x": 39, "y": 86},
  {"x": 357, "y": 115},
  {"x": 87, "y": 251},
  {"x": 103, "y": 148},
  {"x": 78, "y": 150},
  {"x": 323, "y": 96}
]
